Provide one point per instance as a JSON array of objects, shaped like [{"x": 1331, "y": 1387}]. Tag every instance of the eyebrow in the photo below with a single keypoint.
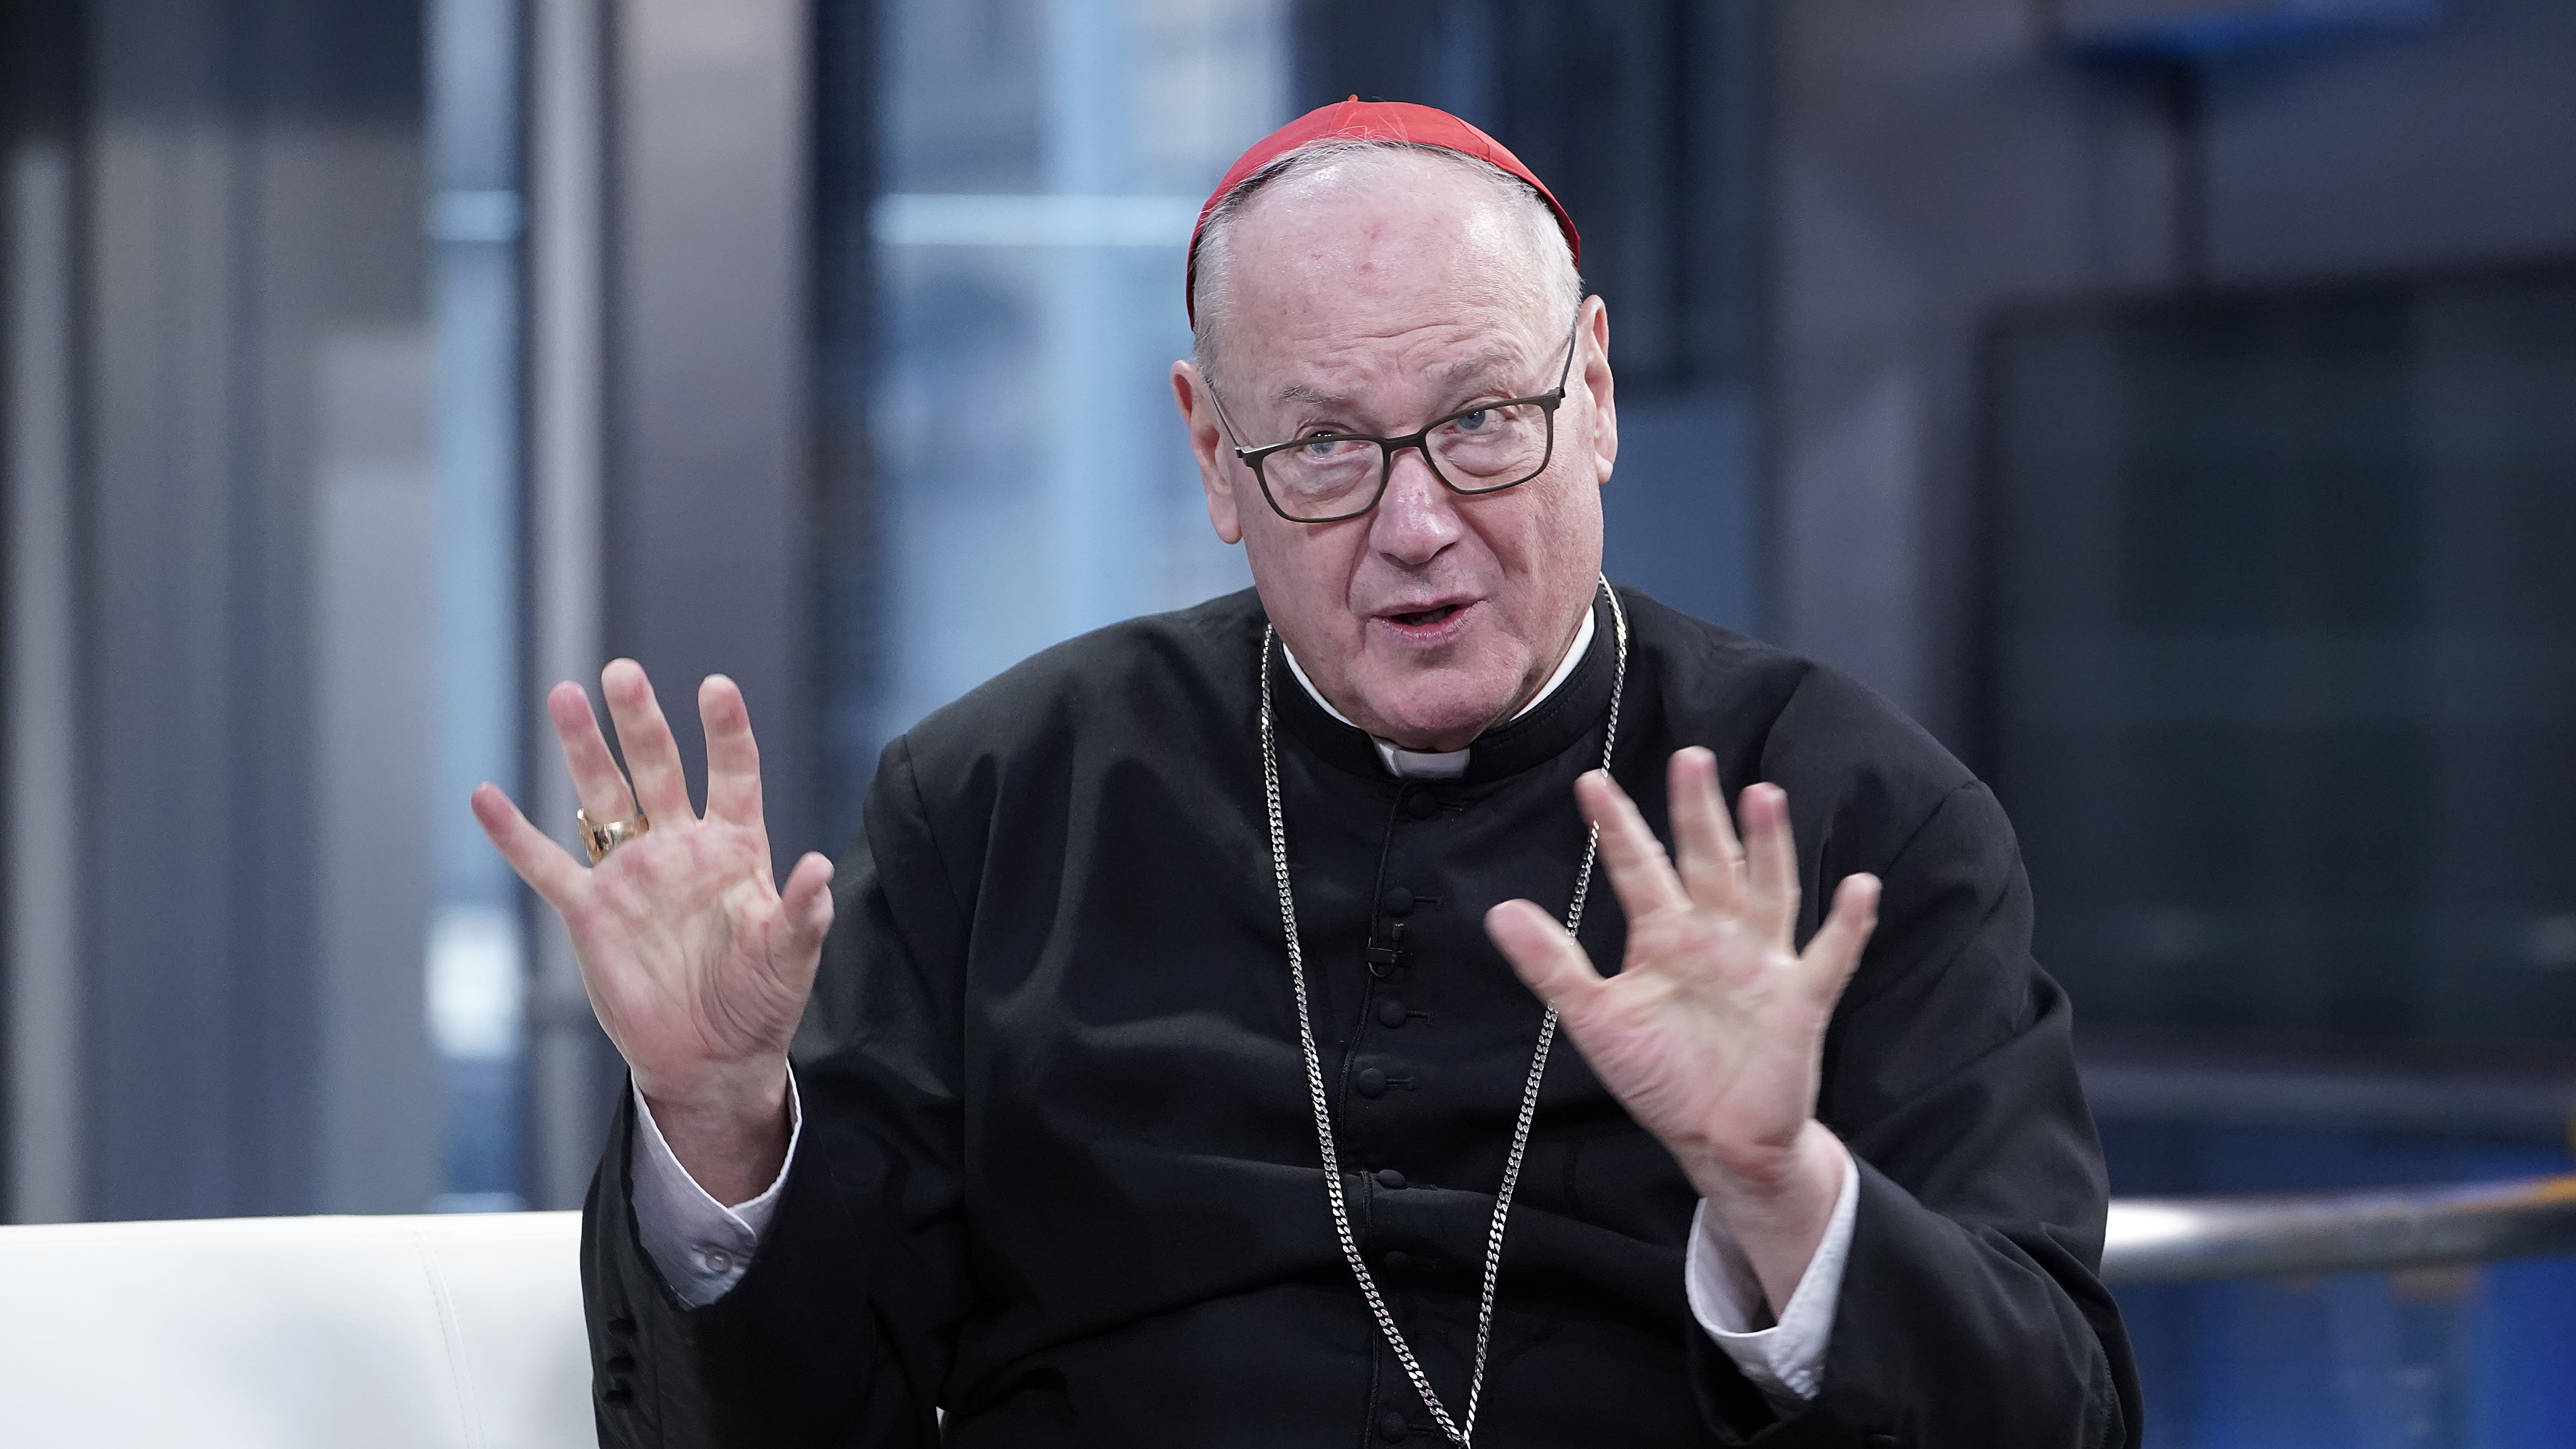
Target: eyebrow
[
  {"x": 1298, "y": 392},
  {"x": 1477, "y": 365},
  {"x": 1464, "y": 369}
]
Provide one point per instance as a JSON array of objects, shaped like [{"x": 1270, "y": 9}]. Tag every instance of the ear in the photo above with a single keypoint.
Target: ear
[
  {"x": 1208, "y": 446},
  {"x": 1596, "y": 384}
]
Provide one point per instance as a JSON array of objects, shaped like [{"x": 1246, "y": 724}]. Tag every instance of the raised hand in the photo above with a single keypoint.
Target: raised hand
[
  {"x": 1712, "y": 1034},
  {"x": 696, "y": 961}
]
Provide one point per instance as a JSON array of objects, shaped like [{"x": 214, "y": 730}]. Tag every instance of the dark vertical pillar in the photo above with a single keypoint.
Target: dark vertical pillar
[
  {"x": 672, "y": 509},
  {"x": 198, "y": 1095},
  {"x": 249, "y": 319},
  {"x": 709, "y": 524},
  {"x": 39, "y": 916},
  {"x": 849, "y": 582}
]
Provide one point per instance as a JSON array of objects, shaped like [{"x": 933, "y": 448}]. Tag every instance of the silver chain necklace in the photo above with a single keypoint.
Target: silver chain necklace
[{"x": 1458, "y": 1431}]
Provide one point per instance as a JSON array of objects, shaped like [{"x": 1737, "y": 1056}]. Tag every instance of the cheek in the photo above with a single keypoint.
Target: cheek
[
  {"x": 1574, "y": 517},
  {"x": 1577, "y": 500},
  {"x": 1562, "y": 548},
  {"x": 1303, "y": 577},
  {"x": 1565, "y": 526}
]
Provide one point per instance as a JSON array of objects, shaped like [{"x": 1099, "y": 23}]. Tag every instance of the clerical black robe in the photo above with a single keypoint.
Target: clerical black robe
[{"x": 1058, "y": 1173}]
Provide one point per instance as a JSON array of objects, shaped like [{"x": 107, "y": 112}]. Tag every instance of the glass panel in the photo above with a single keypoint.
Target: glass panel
[
  {"x": 1044, "y": 161},
  {"x": 2285, "y": 647}
]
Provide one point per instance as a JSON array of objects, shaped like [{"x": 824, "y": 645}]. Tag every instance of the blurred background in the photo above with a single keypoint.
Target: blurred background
[{"x": 2172, "y": 403}]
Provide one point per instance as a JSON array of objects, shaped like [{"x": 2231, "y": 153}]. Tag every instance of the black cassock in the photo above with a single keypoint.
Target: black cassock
[{"x": 1059, "y": 1173}]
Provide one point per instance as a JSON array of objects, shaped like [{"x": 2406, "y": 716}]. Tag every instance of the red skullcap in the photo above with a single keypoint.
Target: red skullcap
[{"x": 1359, "y": 120}]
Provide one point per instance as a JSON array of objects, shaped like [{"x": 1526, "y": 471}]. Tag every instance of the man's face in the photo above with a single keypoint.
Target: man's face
[{"x": 1372, "y": 296}]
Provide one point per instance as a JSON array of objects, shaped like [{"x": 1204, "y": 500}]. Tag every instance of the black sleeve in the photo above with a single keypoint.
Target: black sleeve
[
  {"x": 839, "y": 1334},
  {"x": 1970, "y": 1313}
]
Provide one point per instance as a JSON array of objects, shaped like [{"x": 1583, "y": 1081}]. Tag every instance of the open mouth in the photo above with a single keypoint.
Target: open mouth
[{"x": 1426, "y": 617}]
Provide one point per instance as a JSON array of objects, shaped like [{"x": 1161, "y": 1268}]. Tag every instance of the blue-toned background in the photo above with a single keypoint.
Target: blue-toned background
[{"x": 2166, "y": 401}]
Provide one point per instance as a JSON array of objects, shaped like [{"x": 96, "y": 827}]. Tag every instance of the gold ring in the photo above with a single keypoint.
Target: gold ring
[{"x": 599, "y": 839}]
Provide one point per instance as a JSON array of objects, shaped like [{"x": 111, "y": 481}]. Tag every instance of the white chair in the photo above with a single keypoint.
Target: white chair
[{"x": 445, "y": 1332}]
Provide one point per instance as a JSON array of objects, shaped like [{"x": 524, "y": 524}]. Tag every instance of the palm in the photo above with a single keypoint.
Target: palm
[
  {"x": 682, "y": 939},
  {"x": 1711, "y": 1034},
  {"x": 1705, "y": 1024},
  {"x": 696, "y": 963}
]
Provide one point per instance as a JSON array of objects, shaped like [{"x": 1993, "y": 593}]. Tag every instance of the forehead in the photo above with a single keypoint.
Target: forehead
[{"x": 1393, "y": 248}]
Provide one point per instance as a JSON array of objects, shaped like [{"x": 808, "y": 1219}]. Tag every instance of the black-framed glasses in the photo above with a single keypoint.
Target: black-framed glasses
[{"x": 1327, "y": 477}]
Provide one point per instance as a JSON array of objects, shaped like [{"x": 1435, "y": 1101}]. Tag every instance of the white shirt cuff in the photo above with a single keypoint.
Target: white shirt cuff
[
  {"x": 702, "y": 1246},
  {"x": 1787, "y": 1360}
]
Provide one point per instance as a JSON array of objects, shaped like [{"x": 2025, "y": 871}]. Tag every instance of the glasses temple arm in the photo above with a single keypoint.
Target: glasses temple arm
[
  {"x": 1573, "y": 344},
  {"x": 1222, "y": 420}
]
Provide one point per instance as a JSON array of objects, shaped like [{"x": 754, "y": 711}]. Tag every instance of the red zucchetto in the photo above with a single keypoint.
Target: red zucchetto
[{"x": 1359, "y": 120}]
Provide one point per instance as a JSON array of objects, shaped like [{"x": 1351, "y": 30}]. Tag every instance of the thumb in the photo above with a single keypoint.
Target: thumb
[
  {"x": 1833, "y": 953},
  {"x": 805, "y": 906}
]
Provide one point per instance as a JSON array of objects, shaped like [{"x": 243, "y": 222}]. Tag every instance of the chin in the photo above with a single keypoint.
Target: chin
[{"x": 1438, "y": 715}]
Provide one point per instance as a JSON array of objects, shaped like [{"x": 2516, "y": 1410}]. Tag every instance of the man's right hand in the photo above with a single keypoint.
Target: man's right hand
[{"x": 697, "y": 964}]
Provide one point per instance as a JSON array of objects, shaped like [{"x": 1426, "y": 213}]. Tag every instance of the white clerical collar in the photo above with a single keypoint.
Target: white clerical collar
[{"x": 1442, "y": 764}]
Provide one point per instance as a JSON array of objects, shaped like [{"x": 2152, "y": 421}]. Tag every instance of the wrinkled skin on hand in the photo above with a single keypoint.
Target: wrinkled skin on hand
[
  {"x": 696, "y": 961},
  {"x": 1712, "y": 1033}
]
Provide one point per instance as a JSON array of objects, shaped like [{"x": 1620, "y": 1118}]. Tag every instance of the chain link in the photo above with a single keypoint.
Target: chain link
[{"x": 1457, "y": 1432}]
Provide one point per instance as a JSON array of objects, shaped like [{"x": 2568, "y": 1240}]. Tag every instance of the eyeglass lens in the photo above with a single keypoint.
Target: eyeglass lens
[{"x": 1477, "y": 451}]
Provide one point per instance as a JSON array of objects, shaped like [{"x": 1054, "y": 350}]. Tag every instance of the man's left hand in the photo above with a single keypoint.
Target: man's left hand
[{"x": 1712, "y": 1034}]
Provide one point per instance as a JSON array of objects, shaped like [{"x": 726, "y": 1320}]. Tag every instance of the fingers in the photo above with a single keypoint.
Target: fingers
[
  {"x": 805, "y": 906},
  {"x": 652, "y": 755},
  {"x": 1712, "y": 863},
  {"x": 596, "y": 780},
  {"x": 544, "y": 865},
  {"x": 1770, "y": 857},
  {"x": 1549, "y": 962},
  {"x": 1833, "y": 953},
  {"x": 733, "y": 756},
  {"x": 1639, "y": 870}
]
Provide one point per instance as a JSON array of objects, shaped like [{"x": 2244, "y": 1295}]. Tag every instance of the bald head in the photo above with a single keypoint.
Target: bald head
[{"x": 1307, "y": 221}]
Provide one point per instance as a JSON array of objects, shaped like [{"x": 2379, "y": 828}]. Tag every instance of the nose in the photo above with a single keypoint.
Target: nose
[{"x": 1416, "y": 517}]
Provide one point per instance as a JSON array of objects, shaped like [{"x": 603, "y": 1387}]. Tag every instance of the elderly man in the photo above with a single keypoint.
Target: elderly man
[{"x": 1161, "y": 1078}]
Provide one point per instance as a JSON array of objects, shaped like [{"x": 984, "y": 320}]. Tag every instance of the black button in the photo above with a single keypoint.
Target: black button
[
  {"x": 616, "y": 1394},
  {"x": 622, "y": 1326},
  {"x": 1882, "y": 1441},
  {"x": 1371, "y": 1082},
  {"x": 620, "y": 1363},
  {"x": 1390, "y": 1179},
  {"x": 1390, "y": 1012},
  {"x": 1393, "y": 1429},
  {"x": 1421, "y": 805},
  {"x": 1398, "y": 1260},
  {"x": 1398, "y": 900}
]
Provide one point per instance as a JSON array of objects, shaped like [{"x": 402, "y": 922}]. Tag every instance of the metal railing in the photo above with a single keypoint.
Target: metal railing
[{"x": 2167, "y": 1239}]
